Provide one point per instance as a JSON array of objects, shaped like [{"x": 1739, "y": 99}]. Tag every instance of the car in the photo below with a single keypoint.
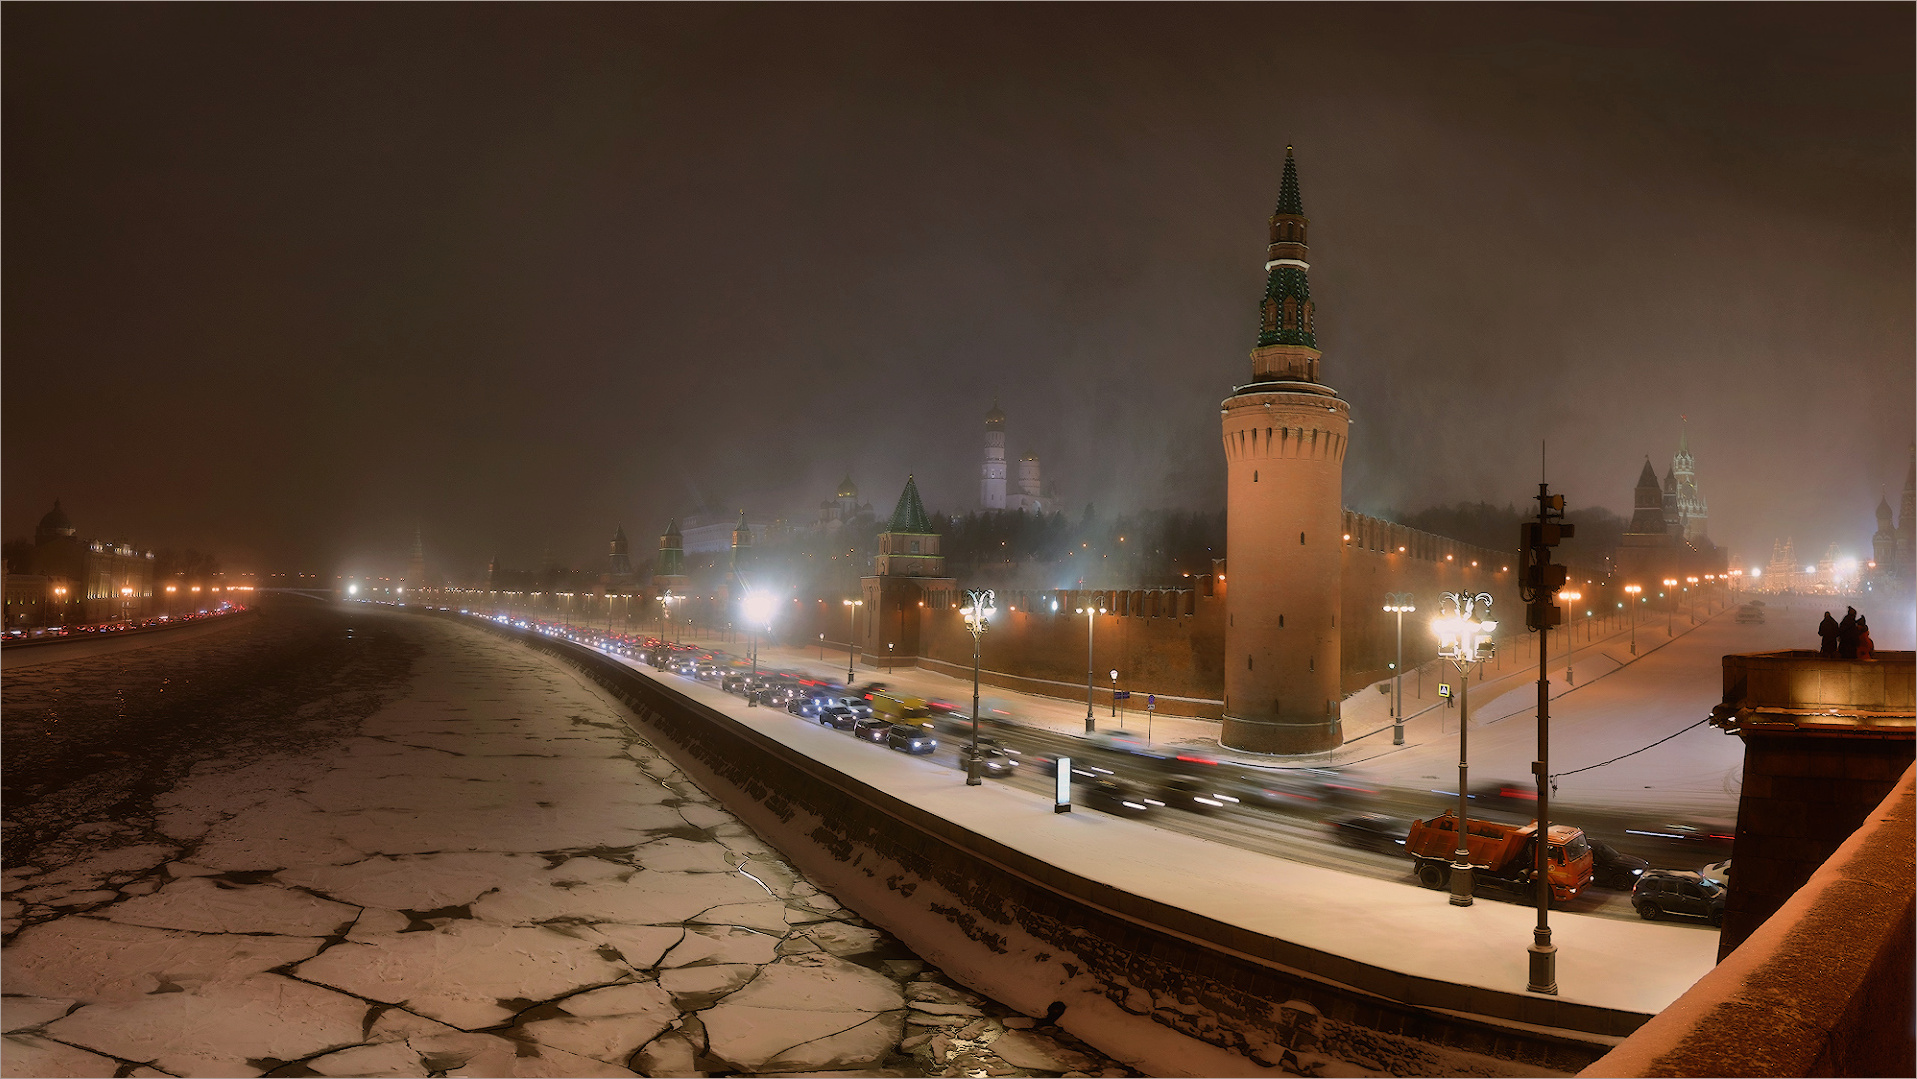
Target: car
[
  {"x": 1750, "y": 614},
  {"x": 1612, "y": 868},
  {"x": 803, "y": 706},
  {"x": 1371, "y": 831},
  {"x": 910, "y": 738},
  {"x": 1113, "y": 795},
  {"x": 859, "y": 705},
  {"x": 1717, "y": 871},
  {"x": 1663, "y": 892},
  {"x": 1192, "y": 794},
  {"x": 839, "y": 719},
  {"x": 869, "y": 729},
  {"x": 992, "y": 760},
  {"x": 736, "y": 683}
]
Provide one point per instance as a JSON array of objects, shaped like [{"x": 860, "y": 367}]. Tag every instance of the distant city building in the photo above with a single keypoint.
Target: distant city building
[
  {"x": 1669, "y": 535},
  {"x": 669, "y": 573},
  {"x": 619, "y": 557},
  {"x": 1894, "y": 546},
  {"x": 992, "y": 474},
  {"x": 416, "y": 562},
  {"x": 70, "y": 581},
  {"x": 1029, "y": 493},
  {"x": 843, "y": 508},
  {"x": 1781, "y": 573},
  {"x": 1684, "y": 510},
  {"x": 707, "y": 533}
]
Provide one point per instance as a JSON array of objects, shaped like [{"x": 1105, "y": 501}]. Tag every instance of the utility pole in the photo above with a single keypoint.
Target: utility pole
[{"x": 1540, "y": 583}]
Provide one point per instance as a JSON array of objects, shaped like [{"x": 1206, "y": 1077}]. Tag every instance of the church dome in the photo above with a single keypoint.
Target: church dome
[
  {"x": 847, "y": 489},
  {"x": 994, "y": 420},
  {"x": 55, "y": 523},
  {"x": 1028, "y": 455}
]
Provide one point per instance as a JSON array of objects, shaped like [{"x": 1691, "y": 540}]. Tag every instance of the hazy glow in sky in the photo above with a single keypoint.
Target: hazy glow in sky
[{"x": 283, "y": 281}]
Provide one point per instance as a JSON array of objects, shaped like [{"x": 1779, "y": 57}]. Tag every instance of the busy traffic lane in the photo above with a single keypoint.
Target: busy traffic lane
[{"x": 1287, "y": 813}]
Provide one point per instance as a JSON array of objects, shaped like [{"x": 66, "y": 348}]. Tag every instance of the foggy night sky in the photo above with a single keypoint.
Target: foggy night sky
[{"x": 280, "y": 280}]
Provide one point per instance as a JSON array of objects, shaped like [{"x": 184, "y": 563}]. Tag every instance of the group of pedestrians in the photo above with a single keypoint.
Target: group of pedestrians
[{"x": 1849, "y": 639}]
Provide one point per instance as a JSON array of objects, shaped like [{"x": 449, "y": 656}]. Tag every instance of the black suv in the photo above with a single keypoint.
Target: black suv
[{"x": 1675, "y": 891}]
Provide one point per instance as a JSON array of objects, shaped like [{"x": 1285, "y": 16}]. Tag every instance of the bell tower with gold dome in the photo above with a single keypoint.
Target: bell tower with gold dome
[{"x": 1285, "y": 437}]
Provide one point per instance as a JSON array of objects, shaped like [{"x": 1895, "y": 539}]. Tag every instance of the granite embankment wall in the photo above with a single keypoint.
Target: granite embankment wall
[
  {"x": 1174, "y": 992},
  {"x": 1824, "y": 987},
  {"x": 1170, "y": 641}
]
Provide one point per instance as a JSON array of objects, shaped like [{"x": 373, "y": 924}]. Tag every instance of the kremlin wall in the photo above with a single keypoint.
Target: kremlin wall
[{"x": 1167, "y": 642}]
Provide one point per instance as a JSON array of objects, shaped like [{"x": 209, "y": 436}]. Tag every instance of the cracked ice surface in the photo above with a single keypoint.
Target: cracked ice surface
[{"x": 487, "y": 875}]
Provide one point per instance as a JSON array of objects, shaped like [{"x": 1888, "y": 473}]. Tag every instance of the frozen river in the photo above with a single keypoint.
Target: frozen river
[{"x": 352, "y": 842}]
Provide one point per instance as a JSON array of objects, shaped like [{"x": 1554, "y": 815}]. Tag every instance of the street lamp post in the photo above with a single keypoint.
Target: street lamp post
[
  {"x": 851, "y": 636},
  {"x": 1670, "y": 607},
  {"x": 1570, "y": 678},
  {"x": 1464, "y": 640},
  {"x": 1091, "y": 622},
  {"x": 757, "y": 608},
  {"x": 1114, "y": 693},
  {"x": 978, "y": 615},
  {"x": 1632, "y": 590},
  {"x": 1691, "y": 587},
  {"x": 1398, "y": 603}
]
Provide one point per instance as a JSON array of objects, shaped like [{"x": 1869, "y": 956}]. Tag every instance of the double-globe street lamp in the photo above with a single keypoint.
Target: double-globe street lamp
[
  {"x": 1464, "y": 638},
  {"x": 1091, "y": 624},
  {"x": 851, "y": 635},
  {"x": 1398, "y": 603},
  {"x": 978, "y": 615}
]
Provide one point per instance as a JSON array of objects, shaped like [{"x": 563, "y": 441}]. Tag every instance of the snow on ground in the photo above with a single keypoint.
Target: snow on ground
[
  {"x": 1404, "y": 927},
  {"x": 493, "y": 876}
]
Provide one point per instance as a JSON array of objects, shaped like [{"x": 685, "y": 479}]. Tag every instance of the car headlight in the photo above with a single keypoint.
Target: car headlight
[{"x": 1637, "y": 872}]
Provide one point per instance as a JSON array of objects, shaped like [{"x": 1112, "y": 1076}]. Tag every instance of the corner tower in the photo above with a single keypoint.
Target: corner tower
[{"x": 1285, "y": 437}]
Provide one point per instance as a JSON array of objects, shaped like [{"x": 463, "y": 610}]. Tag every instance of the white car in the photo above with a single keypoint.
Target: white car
[{"x": 1717, "y": 871}]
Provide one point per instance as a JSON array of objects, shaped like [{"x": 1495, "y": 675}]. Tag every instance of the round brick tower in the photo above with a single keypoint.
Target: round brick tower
[{"x": 1285, "y": 436}]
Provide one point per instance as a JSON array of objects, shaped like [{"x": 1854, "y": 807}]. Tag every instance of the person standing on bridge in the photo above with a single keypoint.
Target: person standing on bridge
[
  {"x": 1827, "y": 629},
  {"x": 1847, "y": 635}
]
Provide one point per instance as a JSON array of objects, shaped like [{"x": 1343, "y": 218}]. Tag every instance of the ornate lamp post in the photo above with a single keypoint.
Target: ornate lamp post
[
  {"x": 1398, "y": 603},
  {"x": 851, "y": 635},
  {"x": 1691, "y": 587},
  {"x": 1670, "y": 607},
  {"x": 1464, "y": 640},
  {"x": 978, "y": 615},
  {"x": 1632, "y": 590},
  {"x": 1091, "y": 624}
]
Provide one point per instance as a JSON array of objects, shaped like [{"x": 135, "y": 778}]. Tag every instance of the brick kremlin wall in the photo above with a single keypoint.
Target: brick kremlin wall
[{"x": 1170, "y": 642}]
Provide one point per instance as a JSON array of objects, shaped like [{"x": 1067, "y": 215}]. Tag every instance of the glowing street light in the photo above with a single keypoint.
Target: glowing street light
[
  {"x": 1398, "y": 603},
  {"x": 758, "y": 608},
  {"x": 1670, "y": 610},
  {"x": 1465, "y": 640},
  {"x": 978, "y": 615},
  {"x": 851, "y": 635},
  {"x": 1632, "y": 590},
  {"x": 1091, "y": 623}
]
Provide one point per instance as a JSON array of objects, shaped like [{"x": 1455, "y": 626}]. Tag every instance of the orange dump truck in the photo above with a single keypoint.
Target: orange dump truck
[{"x": 1503, "y": 854}]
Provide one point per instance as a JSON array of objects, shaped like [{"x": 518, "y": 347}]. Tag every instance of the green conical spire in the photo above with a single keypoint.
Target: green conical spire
[
  {"x": 1288, "y": 200},
  {"x": 909, "y": 516},
  {"x": 1285, "y": 311}
]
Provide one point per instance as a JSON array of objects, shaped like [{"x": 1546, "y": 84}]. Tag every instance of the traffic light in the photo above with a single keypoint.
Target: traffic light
[{"x": 1540, "y": 578}]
